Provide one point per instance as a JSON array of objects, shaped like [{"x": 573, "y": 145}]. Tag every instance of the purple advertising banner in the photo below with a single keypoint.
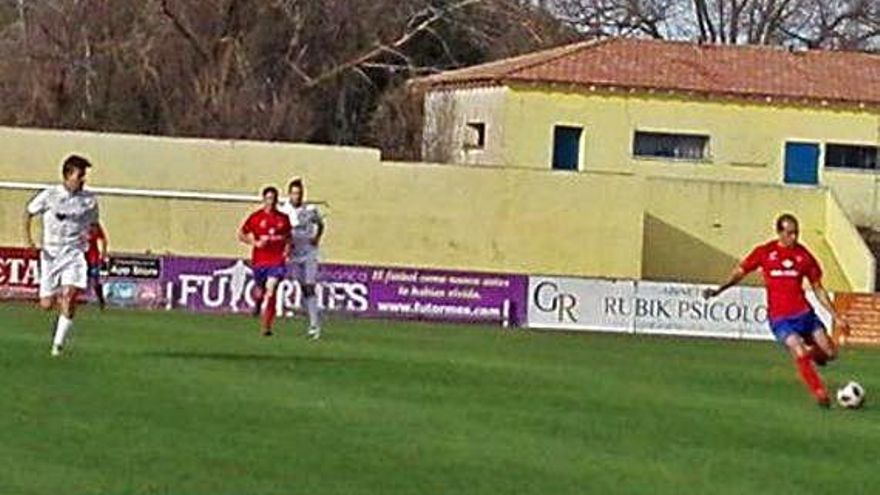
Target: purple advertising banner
[{"x": 226, "y": 285}]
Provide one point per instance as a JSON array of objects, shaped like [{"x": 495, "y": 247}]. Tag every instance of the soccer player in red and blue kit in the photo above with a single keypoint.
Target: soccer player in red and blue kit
[
  {"x": 784, "y": 263},
  {"x": 96, "y": 255},
  {"x": 268, "y": 231}
]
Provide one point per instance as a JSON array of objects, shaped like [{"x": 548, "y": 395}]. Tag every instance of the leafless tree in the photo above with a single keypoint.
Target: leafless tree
[
  {"x": 267, "y": 69},
  {"x": 330, "y": 71},
  {"x": 850, "y": 24},
  {"x": 599, "y": 18}
]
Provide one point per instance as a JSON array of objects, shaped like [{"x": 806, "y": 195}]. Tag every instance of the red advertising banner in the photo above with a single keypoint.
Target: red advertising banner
[{"x": 19, "y": 273}]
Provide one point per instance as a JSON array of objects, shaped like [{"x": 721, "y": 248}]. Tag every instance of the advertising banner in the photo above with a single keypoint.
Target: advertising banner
[
  {"x": 669, "y": 308},
  {"x": 226, "y": 285},
  {"x": 19, "y": 273},
  {"x": 581, "y": 304},
  {"x": 646, "y": 307},
  {"x": 862, "y": 311},
  {"x": 131, "y": 281},
  {"x": 133, "y": 267}
]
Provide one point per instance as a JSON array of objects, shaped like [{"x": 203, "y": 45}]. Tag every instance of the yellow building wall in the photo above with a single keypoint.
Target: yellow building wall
[
  {"x": 697, "y": 231},
  {"x": 378, "y": 213},
  {"x": 139, "y": 225},
  {"x": 484, "y": 218},
  {"x": 746, "y": 139},
  {"x": 446, "y": 134},
  {"x": 859, "y": 195},
  {"x": 856, "y": 262},
  {"x": 127, "y": 160}
]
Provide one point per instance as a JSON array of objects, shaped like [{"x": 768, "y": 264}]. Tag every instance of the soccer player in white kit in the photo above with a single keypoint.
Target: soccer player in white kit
[
  {"x": 308, "y": 228},
  {"x": 67, "y": 213}
]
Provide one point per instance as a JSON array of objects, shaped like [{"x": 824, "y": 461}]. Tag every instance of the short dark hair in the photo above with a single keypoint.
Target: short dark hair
[
  {"x": 295, "y": 182},
  {"x": 74, "y": 162},
  {"x": 270, "y": 189},
  {"x": 782, "y": 219}
]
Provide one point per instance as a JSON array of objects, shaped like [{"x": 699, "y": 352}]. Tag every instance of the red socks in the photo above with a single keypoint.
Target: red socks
[
  {"x": 810, "y": 377},
  {"x": 258, "y": 301},
  {"x": 268, "y": 313}
]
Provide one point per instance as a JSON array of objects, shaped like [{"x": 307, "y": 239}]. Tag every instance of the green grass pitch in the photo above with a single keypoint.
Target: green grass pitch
[{"x": 176, "y": 403}]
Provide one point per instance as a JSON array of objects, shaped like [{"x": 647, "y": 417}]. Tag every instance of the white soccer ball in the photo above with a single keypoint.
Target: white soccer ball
[{"x": 851, "y": 395}]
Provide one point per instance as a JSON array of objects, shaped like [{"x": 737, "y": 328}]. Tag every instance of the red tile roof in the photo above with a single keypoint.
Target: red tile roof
[{"x": 815, "y": 76}]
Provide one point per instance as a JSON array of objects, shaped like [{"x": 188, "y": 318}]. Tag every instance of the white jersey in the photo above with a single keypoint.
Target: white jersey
[
  {"x": 67, "y": 218},
  {"x": 305, "y": 221}
]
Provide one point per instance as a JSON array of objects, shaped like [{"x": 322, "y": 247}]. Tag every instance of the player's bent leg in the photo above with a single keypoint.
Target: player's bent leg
[
  {"x": 68, "y": 301},
  {"x": 271, "y": 286},
  {"x": 94, "y": 284},
  {"x": 67, "y": 306},
  {"x": 817, "y": 355},
  {"x": 268, "y": 305},
  {"x": 47, "y": 303},
  {"x": 824, "y": 345},
  {"x": 50, "y": 286},
  {"x": 795, "y": 345},
  {"x": 99, "y": 292},
  {"x": 806, "y": 370},
  {"x": 310, "y": 297},
  {"x": 309, "y": 284},
  {"x": 259, "y": 292}
]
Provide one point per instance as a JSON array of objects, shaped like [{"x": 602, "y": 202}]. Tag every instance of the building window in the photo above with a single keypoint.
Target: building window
[
  {"x": 475, "y": 136},
  {"x": 677, "y": 146},
  {"x": 851, "y": 156},
  {"x": 566, "y": 147}
]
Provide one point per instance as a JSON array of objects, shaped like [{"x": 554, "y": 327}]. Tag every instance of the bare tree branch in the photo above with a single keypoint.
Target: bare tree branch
[
  {"x": 185, "y": 31},
  {"x": 403, "y": 39}
]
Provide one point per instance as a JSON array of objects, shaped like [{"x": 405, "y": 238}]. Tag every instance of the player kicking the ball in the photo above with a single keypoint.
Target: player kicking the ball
[
  {"x": 784, "y": 263},
  {"x": 308, "y": 228},
  {"x": 68, "y": 213},
  {"x": 268, "y": 231}
]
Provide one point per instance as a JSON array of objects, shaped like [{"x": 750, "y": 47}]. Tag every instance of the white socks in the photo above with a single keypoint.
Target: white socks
[
  {"x": 312, "y": 308},
  {"x": 64, "y": 325}
]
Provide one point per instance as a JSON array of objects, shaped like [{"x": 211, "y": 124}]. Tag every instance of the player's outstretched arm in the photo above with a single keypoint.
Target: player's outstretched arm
[
  {"x": 825, "y": 300},
  {"x": 735, "y": 277}
]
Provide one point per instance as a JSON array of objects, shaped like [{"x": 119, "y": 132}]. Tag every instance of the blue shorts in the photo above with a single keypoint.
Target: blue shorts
[
  {"x": 803, "y": 324},
  {"x": 94, "y": 271},
  {"x": 264, "y": 273}
]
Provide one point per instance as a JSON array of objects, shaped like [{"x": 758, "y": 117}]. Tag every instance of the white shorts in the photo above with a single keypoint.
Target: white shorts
[
  {"x": 68, "y": 269},
  {"x": 305, "y": 271}
]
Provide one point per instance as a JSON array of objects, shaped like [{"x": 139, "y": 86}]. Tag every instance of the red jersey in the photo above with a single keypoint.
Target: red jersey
[
  {"x": 784, "y": 269},
  {"x": 93, "y": 254},
  {"x": 274, "y": 229}
]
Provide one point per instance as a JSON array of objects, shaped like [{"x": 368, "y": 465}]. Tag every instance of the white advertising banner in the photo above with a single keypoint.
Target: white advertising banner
[
  {"x": 669, "y": 308},
  {"x": 756, "y": 297},
  {"x": 580, "y": 304},
  {"x": 651, "y": 308}
]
